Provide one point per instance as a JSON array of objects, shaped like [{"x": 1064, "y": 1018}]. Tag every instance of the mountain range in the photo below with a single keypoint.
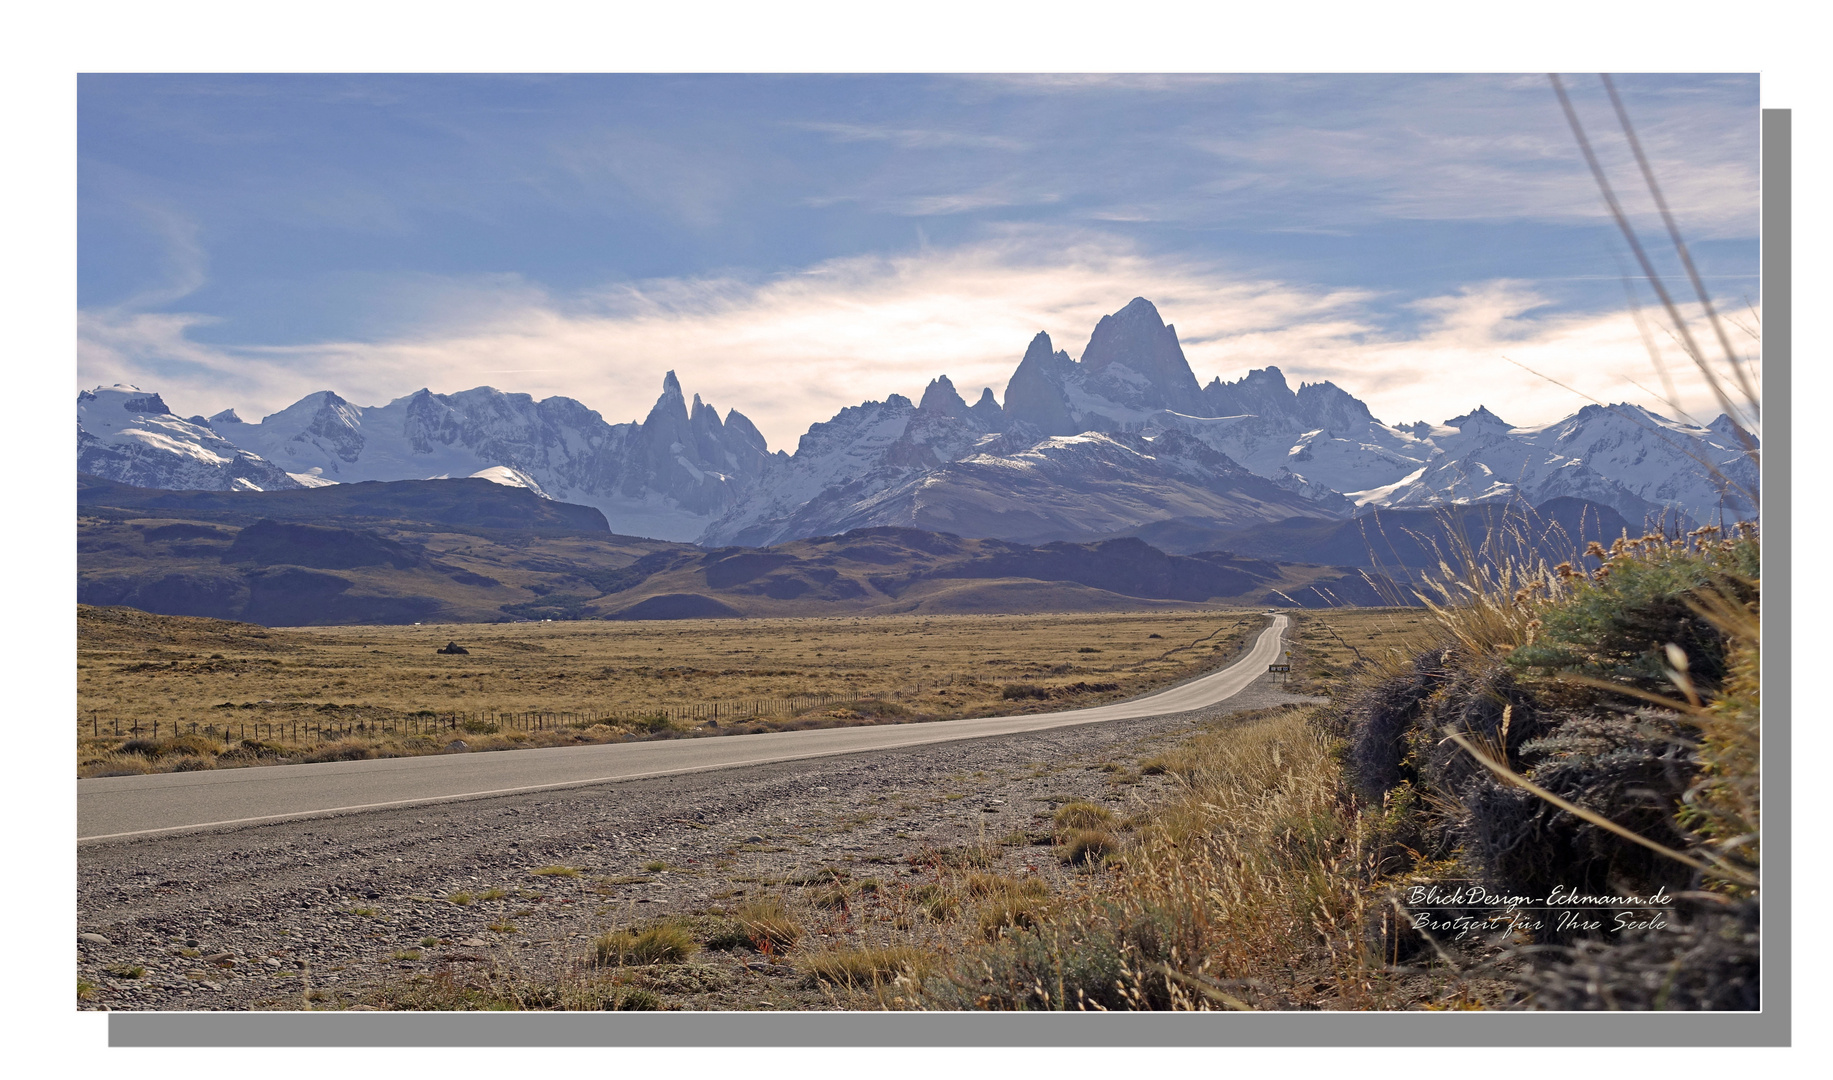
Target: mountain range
[
  {"x": 1122, "y": 440},
  {"x": 466, "y": 550}
]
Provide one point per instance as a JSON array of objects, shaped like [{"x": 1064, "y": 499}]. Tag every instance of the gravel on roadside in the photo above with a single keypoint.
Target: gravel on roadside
[{"x": 330, "y": 912}]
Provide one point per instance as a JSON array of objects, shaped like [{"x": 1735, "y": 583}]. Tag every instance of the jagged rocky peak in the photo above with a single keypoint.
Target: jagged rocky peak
[
  {"x": 227, "y": 416},
  {"x": 671, "y": 402},
  {"x": 1261, "y": 392},
  {"x": 1035, "y": 393},
  {"x": 1327, "y": 405},
  {"x": 1479, "y": 419},
  {"x": 1136, "y": 338},
  {"x": 667, "y": 422},
  {"x": 940, "y": 398},
  {"x": 708, "y": 432},
  {"x": 987, "y": 410},
  {"x": 1265, "y": 392},
  {"x": 740, "y": 427}
]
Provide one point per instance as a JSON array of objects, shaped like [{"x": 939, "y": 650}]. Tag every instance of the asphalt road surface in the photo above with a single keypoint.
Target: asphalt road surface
[{"x": 126, "y": 807}]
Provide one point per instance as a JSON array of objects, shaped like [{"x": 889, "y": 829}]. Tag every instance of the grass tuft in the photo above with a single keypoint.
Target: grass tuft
[
  {"x": 857, "y": 967},
  {"x": 769, "y": 923},
  {"x": 662, "y": 944},
  {"x": 1088, "y": 847},
  {"x": 1081, "y": 815}
]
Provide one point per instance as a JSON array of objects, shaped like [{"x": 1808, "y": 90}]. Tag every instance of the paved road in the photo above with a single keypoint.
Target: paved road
[{"x": 123, "y": 807}]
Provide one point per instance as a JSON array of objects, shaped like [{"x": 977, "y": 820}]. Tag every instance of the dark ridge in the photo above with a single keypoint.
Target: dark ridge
[
  {"x": 466, "y": 504},
  {"x": 1415, "y": 539},
  {"x": 275, "y": 543},
  {"x": 676, "y": 606}
]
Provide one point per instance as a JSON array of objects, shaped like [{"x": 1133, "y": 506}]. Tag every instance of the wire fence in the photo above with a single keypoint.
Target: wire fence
[{"x": 308, "y": 730}]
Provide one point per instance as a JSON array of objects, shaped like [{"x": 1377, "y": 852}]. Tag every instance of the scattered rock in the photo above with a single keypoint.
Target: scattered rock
[
  {"x": 313, "y": 871},
  {"x": 453, "y": 648},
  {"x": 458, "y": 744},
  {"x": 93, "y": 939}
]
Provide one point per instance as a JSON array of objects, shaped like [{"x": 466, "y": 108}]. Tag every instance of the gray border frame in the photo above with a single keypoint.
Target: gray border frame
[{"x": 1771, "y": 1027}]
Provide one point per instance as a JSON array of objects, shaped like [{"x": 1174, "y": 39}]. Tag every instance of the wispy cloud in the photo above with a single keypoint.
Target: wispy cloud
[
  {"x": 794, "y": 349},
  {"x": 1494, "y": 148},
  {"x": 915, "y": 138}
]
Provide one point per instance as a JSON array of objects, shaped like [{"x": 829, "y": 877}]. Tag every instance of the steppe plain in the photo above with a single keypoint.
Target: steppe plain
[
  {"x": 498, "y": 902},
  {"x": 603, "y": 679}
]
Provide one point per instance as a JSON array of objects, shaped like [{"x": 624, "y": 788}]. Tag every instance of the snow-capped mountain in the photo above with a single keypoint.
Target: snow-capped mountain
[
  {"x": 664, "y": 477},
  {"x": 1132, "y": 368},
  {"x": 864, "y": 451},
  {"x": 125, "y": 434},
  {"x": 1635, "y": 461},
  {"x": 1120, "y": 439},
  {"x": 934, "y": 466},
  {"x": 1321, "y": 443}
]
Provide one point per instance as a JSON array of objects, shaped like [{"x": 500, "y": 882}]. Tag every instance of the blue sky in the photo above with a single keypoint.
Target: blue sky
[{"x": 794, "y": 244}]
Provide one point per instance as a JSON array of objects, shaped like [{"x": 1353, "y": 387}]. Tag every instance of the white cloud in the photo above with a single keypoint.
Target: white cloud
[
  {"x": 795, "y": 349},
  {"x": 1487, "y": 345}
]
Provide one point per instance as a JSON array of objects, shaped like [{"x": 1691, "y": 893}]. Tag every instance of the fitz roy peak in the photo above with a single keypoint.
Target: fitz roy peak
[{"x": 1123, "y": 438}]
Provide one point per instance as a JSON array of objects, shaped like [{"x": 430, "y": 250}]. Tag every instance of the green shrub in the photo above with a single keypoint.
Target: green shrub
[{"x": 1617, "y": 627}]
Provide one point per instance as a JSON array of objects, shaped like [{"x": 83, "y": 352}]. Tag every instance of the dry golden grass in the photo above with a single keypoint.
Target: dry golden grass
[
  {"x": 180, "y": 673},
  {"x": 857, "y": 967},
  {"x": 1330, "y": 647},
  {"x": 664, "y": 944},
  {"x": 768, "y": 922},
  {"x": 1242, "y": 890}
]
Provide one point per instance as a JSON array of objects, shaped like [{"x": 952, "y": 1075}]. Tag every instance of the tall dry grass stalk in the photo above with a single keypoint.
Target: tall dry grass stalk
[{"x": 1244, "y": 883}]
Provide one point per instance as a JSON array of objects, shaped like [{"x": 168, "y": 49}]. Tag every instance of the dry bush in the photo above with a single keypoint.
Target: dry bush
[{"x": 1592, "y": 730}]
